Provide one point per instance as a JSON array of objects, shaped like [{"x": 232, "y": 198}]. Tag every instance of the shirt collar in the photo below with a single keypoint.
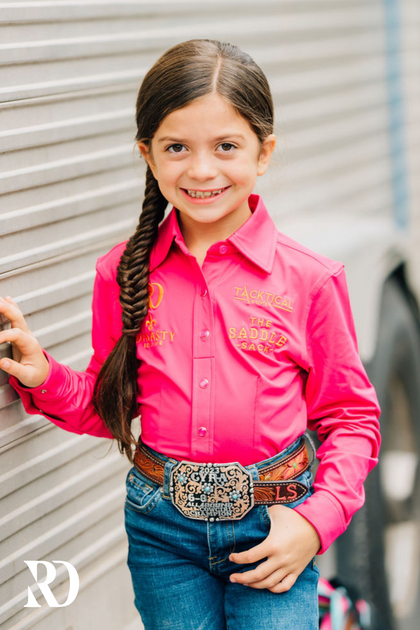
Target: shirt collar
[{"x": 256, "y": 239}]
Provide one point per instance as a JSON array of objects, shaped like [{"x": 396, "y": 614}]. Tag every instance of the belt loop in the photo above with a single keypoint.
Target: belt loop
[
  {"x": 312, "y": 449},
  {"x": 167, "y": 478}
]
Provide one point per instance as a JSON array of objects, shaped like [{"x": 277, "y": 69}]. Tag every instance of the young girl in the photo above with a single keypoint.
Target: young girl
[{"x": 230, "y": 339}]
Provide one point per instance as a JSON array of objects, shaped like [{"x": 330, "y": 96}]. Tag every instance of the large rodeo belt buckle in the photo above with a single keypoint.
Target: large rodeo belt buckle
[{"x": 211, "y": 492}]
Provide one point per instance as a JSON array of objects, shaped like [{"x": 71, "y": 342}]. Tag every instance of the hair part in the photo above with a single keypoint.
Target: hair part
[{"x": 186, "y": 72}]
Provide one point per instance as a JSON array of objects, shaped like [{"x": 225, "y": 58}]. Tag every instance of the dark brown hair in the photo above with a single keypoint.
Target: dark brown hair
[{"x": 185, "y": 72}]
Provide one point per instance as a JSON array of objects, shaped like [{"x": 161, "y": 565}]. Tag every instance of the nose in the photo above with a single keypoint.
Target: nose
[{"x": 202, "y": 168}]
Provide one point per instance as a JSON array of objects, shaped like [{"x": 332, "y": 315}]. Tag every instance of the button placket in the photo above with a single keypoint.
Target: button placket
[
  {"x": 202, "y": 394},
  {"x": 203, "y": 408}
]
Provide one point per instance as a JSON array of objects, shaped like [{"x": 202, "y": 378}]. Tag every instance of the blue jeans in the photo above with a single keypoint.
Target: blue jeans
[{"x": 180, "y": 568}]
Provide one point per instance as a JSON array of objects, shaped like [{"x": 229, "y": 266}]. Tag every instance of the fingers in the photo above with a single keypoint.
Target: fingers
[
  {"x": 252, "y": 555},
  {"x": 271, "y": 580},
  {"x": 32, "y": 367},
  {"x": 15, "y": 334},
  {"x": 9, "y": 299},
  {"x": 260, "y": 573},
  {"x": 278, "y": 581},
  {"x": 266, "y": 575},
  {"x": 285, "y": 585},
  {"x": 11, "y": 367},
  {"x": 10, "y": 310},
  {"x": 26, "y": 343}
]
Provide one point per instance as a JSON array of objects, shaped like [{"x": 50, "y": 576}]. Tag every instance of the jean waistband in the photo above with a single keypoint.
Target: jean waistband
[{"x": 170, "y": 462}]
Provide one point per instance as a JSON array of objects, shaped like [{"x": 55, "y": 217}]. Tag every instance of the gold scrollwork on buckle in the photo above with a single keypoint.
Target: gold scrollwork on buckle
[{"x": 212, "y": 492}]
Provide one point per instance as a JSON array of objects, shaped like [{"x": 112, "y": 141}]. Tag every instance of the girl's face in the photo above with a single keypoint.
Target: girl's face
[{"x": 207, "y": 146}]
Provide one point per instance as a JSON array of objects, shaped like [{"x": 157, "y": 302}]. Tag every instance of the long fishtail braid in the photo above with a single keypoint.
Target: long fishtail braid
[
  {"x": 133, "y": 270},
  {"x": 118, "y": 405}
]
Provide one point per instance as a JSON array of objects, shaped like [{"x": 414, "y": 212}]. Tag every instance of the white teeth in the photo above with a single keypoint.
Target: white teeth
[{"x": 203, "y": 195}]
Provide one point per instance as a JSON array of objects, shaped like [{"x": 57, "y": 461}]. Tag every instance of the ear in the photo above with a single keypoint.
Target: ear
[
  {"x": 266, "y": 152},
  {"x": 147, "y": 154}
]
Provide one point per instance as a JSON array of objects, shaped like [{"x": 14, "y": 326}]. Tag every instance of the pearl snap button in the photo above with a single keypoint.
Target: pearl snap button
[
  {"x": 204, "y": 334},
  {"x": 202, "y": 431},
  {"x": 204, "y": 383},
  {"x": 204, "y": 293},
  {"x": 223, "y": 249}
]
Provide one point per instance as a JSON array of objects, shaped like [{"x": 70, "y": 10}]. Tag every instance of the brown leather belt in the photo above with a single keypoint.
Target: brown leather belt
[{"x": 221, "y": 491}]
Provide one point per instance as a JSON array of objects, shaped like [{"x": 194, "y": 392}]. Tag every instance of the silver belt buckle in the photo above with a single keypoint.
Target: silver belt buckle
[{"x": 213, "y": 492}]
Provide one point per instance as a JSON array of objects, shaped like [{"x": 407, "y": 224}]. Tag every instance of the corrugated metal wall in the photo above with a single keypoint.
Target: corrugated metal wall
[
  {"x": 410, "y": 63},
  {"x": 71, "y": 187}
]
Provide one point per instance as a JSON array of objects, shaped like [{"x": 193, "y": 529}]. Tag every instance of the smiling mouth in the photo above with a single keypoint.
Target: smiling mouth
[{"x": 204, "y": 194}]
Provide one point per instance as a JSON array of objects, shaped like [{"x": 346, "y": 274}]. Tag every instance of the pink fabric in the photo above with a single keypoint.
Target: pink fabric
[{"x": 238, "y": 359}]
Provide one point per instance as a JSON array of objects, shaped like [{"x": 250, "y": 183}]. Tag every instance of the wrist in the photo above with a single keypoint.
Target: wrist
[
  {"x": 43, "y": 370},
  {"x": 281, "y": 514}
]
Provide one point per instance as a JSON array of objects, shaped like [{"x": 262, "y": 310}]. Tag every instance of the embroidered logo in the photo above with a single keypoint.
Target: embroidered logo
[
  {"x": 153, "y": 337},
  {"x": 158, "y": 298},
  {"x": 257, "y": 336},
  {"x": 263, "y": 298},
  {"x": 150, "y": 323}
]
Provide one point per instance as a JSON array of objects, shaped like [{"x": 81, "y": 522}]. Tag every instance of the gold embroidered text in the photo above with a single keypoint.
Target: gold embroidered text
[
  {"x": 258, "y": 336},
  {"x": 263, "y": 298},
  {"x": 155, "y": 338}
]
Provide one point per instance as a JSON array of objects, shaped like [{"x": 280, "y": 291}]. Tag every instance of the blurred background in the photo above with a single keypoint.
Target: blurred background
[{"x": 344, "y": 181}]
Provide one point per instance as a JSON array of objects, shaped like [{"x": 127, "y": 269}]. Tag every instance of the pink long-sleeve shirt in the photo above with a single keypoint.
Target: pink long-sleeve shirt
[{"x": 238, "y": 358}]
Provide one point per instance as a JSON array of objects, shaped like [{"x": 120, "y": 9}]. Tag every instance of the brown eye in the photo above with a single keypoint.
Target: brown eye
[
  {"x": 177, "y": 148},
  {"x": 226, "y": 146}
]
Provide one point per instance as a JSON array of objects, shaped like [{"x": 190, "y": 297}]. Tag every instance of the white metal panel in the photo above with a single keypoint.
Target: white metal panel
[{"x": 411, "y": 84}]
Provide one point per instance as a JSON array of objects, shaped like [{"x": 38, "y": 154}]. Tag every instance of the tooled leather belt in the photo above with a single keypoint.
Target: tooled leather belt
[{"x": 227, "y": 491}]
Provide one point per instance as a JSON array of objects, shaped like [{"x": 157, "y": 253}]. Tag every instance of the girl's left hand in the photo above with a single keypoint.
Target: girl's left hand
[{"x": 289, "y": 547}]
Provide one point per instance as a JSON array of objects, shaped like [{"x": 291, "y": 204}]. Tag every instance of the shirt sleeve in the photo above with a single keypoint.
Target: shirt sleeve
[
  {"x": 342, "y": 408},
  {"x": 65, "y": 395}
]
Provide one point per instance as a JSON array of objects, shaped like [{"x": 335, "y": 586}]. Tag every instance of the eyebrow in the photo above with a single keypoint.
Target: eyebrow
[{"x": 219, "y": 139}]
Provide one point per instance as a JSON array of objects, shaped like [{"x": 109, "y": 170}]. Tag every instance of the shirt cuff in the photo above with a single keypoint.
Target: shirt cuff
[
  {"x": 42, "y": 398},
  {"x": 49, "y": 389},
  {"x": 325, "y": 514}
]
